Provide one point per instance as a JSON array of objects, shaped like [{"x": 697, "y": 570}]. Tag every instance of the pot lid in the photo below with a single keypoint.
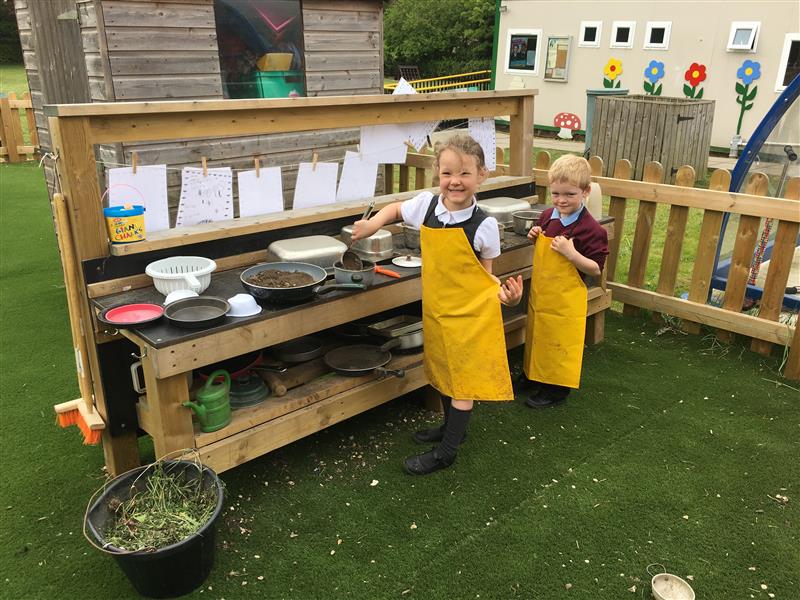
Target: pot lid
[{"x": 247, "y": 390}]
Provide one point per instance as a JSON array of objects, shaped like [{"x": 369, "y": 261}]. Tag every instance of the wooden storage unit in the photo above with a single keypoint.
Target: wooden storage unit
[
  {"x": 78, "y": 129},
  {"x": 641, "y": 129}
]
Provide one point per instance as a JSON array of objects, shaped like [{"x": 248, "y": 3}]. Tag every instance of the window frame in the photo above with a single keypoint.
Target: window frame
[
  {"x": 524, "y": 31},
  {"x": 784, "y": 62},
  {"x": 755, "y": 31},
  {"x": 647, "y": 44},
  {"x": 631, "y": 25},
  {"x": 595, "y": 44}
]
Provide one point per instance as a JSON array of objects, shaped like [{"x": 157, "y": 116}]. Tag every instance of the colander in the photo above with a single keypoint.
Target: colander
[{"x": 181, "y": 273}]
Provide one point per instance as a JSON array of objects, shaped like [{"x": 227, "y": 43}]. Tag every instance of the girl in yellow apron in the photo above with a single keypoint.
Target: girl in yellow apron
[
  {"x": 465, "y": 351},
  {"x": 568, "y": 241}
]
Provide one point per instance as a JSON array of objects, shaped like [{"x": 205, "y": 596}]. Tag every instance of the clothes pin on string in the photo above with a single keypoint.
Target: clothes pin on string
[
  {"x": 134, "y": 160},
  {"x": 410, "y": 146},
  {"x": 205, "y": 166},
  {"x": 314, "y": 161},
  {"x": 258, "y": 167}
]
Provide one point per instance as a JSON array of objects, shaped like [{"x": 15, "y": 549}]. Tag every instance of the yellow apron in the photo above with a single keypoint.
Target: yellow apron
[
  {"x": 465, "y": 346},
  {"x": 556, "y": 325}
]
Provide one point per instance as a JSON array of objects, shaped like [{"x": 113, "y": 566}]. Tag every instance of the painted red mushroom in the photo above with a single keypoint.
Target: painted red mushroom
[{"x": 568, "y": 123}]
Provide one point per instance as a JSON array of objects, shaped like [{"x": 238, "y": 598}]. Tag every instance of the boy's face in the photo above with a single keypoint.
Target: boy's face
[
  {"x": 459, "y": 178},
  {"x": 567, "y": 198}
]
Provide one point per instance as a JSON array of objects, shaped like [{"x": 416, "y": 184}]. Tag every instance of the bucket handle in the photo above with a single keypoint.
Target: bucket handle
[
  {"x": 195, "y": 457},
  {"x": 108, "y": 189}
]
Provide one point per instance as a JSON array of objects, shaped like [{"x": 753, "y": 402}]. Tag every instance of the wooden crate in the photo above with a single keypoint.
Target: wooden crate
[{"x": 671, "y": 131}]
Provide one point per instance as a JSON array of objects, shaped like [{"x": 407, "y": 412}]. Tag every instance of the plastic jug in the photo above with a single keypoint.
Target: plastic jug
[{"x": 213, "y": 406}]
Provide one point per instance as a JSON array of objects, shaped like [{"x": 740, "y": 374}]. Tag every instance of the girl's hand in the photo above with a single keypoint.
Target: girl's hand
[
  {"x": 534, "y": 232},
  {"x": 564, "y": 246},
  {"x": 364, "y": 229},
  {"x": 511, "y": 291}
]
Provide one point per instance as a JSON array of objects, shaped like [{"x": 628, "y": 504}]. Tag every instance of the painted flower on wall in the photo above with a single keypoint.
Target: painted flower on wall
[
  {"x": 652, "y": 73},
  {"x": 748, "y": 73},
  {"x": 612, "y": 70},
  {"x": 695, "y": 75}
]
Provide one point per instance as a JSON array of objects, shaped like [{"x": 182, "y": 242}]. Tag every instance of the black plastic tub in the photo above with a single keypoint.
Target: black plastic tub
[{"x": 167, "y": 572}]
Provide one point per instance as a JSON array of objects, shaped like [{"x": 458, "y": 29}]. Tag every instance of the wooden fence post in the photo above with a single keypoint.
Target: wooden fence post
[
  {"x": 10, "y": 140},
  {"x": 542, "y": 162},
  {"x": 616, "y": 209},
  {"x": 676, "y": 230}
]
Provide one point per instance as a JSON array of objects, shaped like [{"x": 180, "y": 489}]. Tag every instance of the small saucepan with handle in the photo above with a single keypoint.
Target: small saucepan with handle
[
  {"x": 365, "y": 275},
  {"x": 361, "y": 359}
]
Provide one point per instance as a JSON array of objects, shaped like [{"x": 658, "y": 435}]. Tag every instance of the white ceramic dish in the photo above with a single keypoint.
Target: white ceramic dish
[
  {"x": 243, "y": 305},
  {"x": 666, "y": 586},
  {"x": 407, "y": 261},
  {"x": 179, "y": 295}
]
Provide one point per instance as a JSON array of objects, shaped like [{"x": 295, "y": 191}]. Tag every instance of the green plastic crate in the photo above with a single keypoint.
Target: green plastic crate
[{"x": 278, "y": 84}]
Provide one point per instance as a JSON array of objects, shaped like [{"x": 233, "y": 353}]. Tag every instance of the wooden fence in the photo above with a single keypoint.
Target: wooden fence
[
  {"x": 12, "y": 141},
  {"x": 638, "y": 200}
]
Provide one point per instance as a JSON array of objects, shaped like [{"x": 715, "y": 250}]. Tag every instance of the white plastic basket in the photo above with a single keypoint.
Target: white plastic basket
[{"x": 181, "y": 273}]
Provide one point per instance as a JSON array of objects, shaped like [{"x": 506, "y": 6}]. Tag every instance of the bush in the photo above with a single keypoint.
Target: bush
[{"x": 10, "y": 49}]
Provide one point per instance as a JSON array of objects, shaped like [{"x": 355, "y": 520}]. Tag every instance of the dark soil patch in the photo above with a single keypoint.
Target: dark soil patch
[{"x": 275, "y": 278}]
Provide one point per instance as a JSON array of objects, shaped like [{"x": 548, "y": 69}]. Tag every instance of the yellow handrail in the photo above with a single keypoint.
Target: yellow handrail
[{"x": 478, "y": 79}]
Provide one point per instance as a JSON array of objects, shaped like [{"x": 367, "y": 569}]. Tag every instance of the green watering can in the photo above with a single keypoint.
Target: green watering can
[{"x": 213, "y": 406}]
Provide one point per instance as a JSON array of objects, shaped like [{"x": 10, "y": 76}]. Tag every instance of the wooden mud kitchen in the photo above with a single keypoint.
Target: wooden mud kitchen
[{"x": 100, "y": 275}]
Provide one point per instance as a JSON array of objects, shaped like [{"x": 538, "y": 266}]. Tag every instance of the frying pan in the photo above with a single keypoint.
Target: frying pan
[
  {"x": 299, "y": 350},
  {"x": 238, "y": 366},
  {"x": 197, "y": 312},
  {"x": 292, "y": 294},
  {"x": 360, "y": 359}
]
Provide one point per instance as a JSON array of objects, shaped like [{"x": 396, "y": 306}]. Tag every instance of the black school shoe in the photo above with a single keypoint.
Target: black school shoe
[
  {"x": 523, "y": 385},
  {"x": 429, "y": 462},
  {"x": 550, "y": 395}
]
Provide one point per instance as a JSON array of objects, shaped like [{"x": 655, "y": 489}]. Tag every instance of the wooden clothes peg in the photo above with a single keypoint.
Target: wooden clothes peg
[
  {"x": 258, "y": 167},
  {"x": 314, "y": 158},
  {"x": 134, "y": 161},
  {"x": 204, "y": 162}
]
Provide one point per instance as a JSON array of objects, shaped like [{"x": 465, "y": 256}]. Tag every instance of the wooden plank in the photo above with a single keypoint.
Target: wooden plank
[
  {"x": 615, "y": 116},
  {"x": 161, "y": 39},
  {"x": 712, "y": 316},
  {"x": 642, "y": 155},
  {"x": 172, "y": 63},
  {"x": 643, "y": 235},
  {"x": 632, "y": 131},
  {"x": 780, "y": 265},
  {"x": 338, "y": 61},
  {"x": 542, "y": 186},
  {"x": 520, "y": 143},
  {"x": 403, "y": 178},
  {"x": 706, "y": 248},
  {"x": 170, "y": 86},
  {"x": 792, "y": 369},
  {"x": 171, "y": 423},
  {"x": 139, "y": 15},
  {"x": 350, "y": 79},
  {"x": 595, "y": 165},
  {"x": 673, "y": 243},
  {"x": 336, "y": 19},
  {"x": 329, "y": 41},
  {"x": 616, "y": 210},
  {"x": 746, "y": 238},
  {"x": 10, "y": 140}
]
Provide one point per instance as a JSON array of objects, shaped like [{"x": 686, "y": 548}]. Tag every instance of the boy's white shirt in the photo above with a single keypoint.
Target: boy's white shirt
[{"x": 487, "y": 236}]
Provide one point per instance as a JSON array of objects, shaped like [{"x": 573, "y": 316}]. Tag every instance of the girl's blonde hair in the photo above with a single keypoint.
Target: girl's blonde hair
[
  {"x": 463, "y": 144},
  {"x": 571, "y": 169}
]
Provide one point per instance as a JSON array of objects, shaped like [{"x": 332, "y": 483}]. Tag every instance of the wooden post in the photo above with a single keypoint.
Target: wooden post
[
  {"x": 542, "y": 162},
  {"x": 643, "y": 235},
  {"x": 792, "y": 370},
  {"x": 171, "y": 422},
  {"x": 10, "y": 141},
  {"x": 521, "y": 137},
  {"x": 676, "y": 230},
  {"x": 616, "y": 209}
]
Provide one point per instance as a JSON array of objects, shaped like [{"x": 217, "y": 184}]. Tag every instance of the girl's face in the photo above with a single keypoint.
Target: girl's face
[
  {"x": 459, "y": 178},
  {"x": 567, "y": 198}
]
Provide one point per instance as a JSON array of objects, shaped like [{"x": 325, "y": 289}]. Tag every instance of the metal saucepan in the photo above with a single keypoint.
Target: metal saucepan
[
  {"x": 360, "y": 359},
  {"x": 292, "y": 294},
  {"x": 524, "y": 220},
  {"x": 364, "y": 275},
  {"x": 299, "y": 350},
  {"x": 406, "y": 341},
  {"x": 197, "y": 312}
]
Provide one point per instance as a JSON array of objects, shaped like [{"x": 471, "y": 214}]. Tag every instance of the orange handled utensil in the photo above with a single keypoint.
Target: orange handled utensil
[{"x": 387, "y": 272}]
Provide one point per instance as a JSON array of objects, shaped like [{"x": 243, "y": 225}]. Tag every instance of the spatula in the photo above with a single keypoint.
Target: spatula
[{"x": 350, "y": 260}]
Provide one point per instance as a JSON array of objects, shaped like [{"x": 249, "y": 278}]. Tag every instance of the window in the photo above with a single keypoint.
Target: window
[
  {"x": 657, "y": 35},
  {"x": 790, "y": 61},
  {"x": 590, "y": 34},
  {"x": 522, "y": 51},
  {"x": 744, "y": 36},
  {"x": 622, "y": 34},
  {"x": 260, "y": 48}
]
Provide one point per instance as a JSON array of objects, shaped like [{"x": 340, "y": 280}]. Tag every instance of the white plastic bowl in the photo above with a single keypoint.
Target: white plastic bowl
[
  {"x": 179, "y": 295},
  {"x": 666, "y": 586},
  {"x": 181, "y": 273}
]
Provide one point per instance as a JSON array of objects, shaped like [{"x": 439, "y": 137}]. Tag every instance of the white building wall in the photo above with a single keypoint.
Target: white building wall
[{"x": 699, "y": 33}]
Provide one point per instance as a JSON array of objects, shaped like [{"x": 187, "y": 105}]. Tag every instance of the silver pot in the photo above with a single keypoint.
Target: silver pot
[
  {"x": 410, "y": 237},
  {"x": 524, "y": 220},
  {"x": 365, "y": 276},
  {"x": 406, "y": 341}
]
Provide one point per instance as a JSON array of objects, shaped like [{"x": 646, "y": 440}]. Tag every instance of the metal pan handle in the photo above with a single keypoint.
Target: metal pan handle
[
  {"x": 325, "y": 289},
  {"x": 399, "y": 373},
  {"x": 392, "y": 343}
]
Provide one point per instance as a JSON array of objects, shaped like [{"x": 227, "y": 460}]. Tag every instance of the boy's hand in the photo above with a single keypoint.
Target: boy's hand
[
  {"x": 364, "y": 229},
  {"x": 534, "y": 232},
  {"x": 511, "y": 291},
  {"x": 564, "y": 246}
]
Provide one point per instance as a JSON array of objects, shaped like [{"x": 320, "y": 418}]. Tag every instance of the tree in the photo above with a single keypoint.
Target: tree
[
  {"x": 442, "y": 37},
  {"x": 10, "y": 49}
]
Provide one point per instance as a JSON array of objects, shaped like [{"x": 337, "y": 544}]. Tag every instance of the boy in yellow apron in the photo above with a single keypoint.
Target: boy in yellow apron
[
  {"x": 569, "y": 244},
  {"x": 465, "y": 351}
]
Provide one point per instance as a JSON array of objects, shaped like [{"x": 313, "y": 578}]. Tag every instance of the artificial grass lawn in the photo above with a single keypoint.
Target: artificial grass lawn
[{"x": 673, "y": 453}]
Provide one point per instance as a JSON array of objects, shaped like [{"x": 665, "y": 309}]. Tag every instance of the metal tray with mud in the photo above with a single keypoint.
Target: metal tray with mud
[{"x": 197, "y": 313}]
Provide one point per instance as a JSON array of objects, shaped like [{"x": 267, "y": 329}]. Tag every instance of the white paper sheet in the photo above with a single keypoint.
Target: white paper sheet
[
  {"x": 205, "y": 198},
  {"x": 482, "y": 131},
  {"x": 260, "y": 195},
  {"x": 417, "y": 132},
  {"x": 147, "y": 187},
  {"x": 359, "y": 175},
  {"x": 384, "y": 144},
  {"x": 316, "y": 186}
]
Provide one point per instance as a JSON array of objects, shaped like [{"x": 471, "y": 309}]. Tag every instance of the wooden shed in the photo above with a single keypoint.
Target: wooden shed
[{"x": 138, "y": 50}]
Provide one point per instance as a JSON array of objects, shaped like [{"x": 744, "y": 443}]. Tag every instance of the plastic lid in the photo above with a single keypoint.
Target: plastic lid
[{"x": 126, "y": 210}]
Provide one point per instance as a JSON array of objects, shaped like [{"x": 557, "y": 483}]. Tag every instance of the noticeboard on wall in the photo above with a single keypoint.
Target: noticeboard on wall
[
  {"x": 522, "y": 51},
  {"x": 556, "y": 66}
]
